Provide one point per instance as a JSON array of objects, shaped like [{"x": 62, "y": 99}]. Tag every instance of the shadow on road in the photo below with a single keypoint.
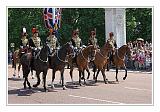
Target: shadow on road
[
  {"x": 109, "y": 82},
  {"x": 28, "y": 92},
  {"x": 16, "y": 79}
]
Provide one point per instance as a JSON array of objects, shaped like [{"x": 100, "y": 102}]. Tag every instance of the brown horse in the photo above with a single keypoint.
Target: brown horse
[
  {"x": 72, "y": 64},
  {"x": 16, "y": 59},
  {"x": 101, "y": 60},
  {"x": 82, "y": 59},
  {"x": 57, "y": 61},
  {"x": 119, "y": 59}
]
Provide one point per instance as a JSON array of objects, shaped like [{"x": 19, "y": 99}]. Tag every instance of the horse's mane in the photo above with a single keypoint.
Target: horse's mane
[{"x": 123, "y": 46}]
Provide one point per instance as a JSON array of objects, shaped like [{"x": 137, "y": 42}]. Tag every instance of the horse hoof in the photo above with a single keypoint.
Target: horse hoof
[
  {"x": 19, "y": 77},
  {"x": 32, "y": 77},
  {"x": 64, "y": 88},
  {"x": 82, "y": 78},
  {"x": 124, "y": 78},
  {"x": 52, "y": 87},
  {"x": 45, "y": 89},
  {"x": 35, "y": 85},
  {"x": 30, "y": 87}
]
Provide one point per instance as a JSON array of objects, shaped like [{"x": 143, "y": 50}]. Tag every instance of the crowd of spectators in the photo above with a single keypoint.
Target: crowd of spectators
[{"x": 141, "y": 55}]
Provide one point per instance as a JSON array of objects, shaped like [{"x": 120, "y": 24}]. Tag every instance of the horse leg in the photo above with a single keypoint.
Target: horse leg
[
  {"x": 44, "y": 80},
  {"x": 24, "y": 84},
  {"x": 32, "y": 74},
  {"x": 84, "y": 77},
  {"x": 97, "y": 75},
  {"x": 116, "y": 74},
  {"x": 125, "y": 73},
  {"x": 80, "y": 78},
  {"x": 71, "y": 73},
  {"x": 14, "y": 66},
  {"x": 25, "y": 75},
  {"x": 88, "y": 73},
  {"x": 38, "y": 79},
  {"x": 53, "y": 77},
  {"x": 19, "y": 66},
  {"x": 108, "y": 67},
  {"x": 28, "y": 83},
  {"x": 104, "y": 76},
  {"x": 94, "y": 70},
  {"x": 62, "y": 77}
]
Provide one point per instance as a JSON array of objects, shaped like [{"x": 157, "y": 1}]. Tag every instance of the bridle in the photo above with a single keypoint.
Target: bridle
[
  {"x": 118, "y": 55},
  {"x": 63, "y": 60},
  {"x": 106, "y": 57},
  {"x": 88, "y": 59},
  {"x": 124, "y": 55},
  {"x": 44, "y": 61},
  {"x": 83, "y": 56}
]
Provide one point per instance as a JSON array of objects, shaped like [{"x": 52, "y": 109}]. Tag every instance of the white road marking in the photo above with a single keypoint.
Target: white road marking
[
  {"x": 95, "y": 99},
  {"x": 138, "y": 89}
]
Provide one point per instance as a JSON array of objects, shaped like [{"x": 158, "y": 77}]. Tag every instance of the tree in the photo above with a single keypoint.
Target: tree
[{"x": 139, "y": 23}]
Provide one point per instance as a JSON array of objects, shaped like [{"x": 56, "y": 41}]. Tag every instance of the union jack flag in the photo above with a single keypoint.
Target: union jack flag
[{"x": 52, "y": 17}]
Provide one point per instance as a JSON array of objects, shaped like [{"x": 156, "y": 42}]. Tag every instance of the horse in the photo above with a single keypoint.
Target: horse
[
  {"x": 16, "y": 59},
  {"x": 101, "y": 59},
  {"x": 40, "y": 64},
  {"x": 119, "y": 59},
  {"x": 82, "y": 60},
  {"x": 58, "y": 61}
]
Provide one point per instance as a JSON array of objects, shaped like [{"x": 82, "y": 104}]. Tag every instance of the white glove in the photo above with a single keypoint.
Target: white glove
[
  {"x": 75, "y": 48},
  {"x": 39, "y": 48},
  {"x": 84, "y": 46},
  {"x": 57, "y": 48}
]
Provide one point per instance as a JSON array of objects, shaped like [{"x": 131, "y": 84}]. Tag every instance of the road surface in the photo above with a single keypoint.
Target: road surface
[{"x": 135, "y": 90}]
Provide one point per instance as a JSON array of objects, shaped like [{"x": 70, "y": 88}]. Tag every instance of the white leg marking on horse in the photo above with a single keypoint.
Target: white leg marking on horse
[
  {"x": 52, "y": 85},
  {"x": 137, "y": 89},
  {"x": 89, "y": 98}
]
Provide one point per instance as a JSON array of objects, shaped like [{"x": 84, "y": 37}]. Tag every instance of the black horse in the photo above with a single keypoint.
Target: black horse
[
  {"x": 58, "y": 61},
  {"x": 40, "y": 64}
]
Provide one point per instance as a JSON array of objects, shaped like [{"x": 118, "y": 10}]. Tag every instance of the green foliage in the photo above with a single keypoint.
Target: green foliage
[{"x": 138, "y": 22}]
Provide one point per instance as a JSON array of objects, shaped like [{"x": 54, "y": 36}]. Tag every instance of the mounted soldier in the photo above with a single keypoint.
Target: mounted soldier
[
  {"x": 112, "y": 41},
  {"x": 76, "y": 40},
  {"x": 92, "y": 39},
  {"x": 52, "y": 41},
  {"x": 35, "y": 42},
  {"x": 23, "y": 42}
]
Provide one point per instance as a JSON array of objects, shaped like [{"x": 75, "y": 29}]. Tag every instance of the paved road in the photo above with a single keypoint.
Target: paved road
[{"x": 136, "y": 89}]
